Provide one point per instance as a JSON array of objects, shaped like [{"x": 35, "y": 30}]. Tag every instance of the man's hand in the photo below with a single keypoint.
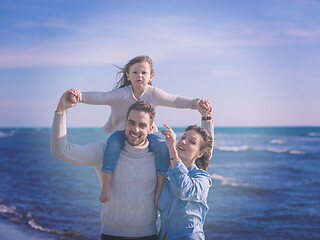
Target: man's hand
[
  {"x": 65, "y": 102},
  {"x": 74, "y": 96}
]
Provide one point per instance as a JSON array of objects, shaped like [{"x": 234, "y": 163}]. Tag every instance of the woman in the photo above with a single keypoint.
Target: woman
[{"x": 183, "y": 201}]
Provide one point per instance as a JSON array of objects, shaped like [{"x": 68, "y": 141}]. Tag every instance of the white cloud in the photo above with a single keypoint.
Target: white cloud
[
  {"x": 296, "y": 32},
  {"x": 109, "y": 40}
]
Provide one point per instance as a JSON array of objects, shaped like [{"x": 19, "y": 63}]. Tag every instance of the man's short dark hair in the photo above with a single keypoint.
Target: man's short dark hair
[{"x": 143, "y": 106}]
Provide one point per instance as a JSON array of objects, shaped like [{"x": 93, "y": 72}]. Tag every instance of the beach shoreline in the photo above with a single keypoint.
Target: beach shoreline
[{"x": 11, "y": 231}]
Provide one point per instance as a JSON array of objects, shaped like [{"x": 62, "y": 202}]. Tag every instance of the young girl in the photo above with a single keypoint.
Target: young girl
[{"x": 134, "y": 85}]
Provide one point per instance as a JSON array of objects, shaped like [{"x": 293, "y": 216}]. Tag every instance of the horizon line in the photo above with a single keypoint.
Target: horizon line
[{"x": 275, "y": 126}]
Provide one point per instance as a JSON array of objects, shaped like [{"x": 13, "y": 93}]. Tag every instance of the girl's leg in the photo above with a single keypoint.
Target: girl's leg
[
  {"x": 162, "y": 156},
  {"x": 105, "y": 188},
  {"x": 110, "y": 159}
]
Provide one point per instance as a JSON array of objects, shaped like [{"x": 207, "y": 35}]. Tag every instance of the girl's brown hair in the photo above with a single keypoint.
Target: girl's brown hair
[
  {"x": 205, "y": 147},
  {"x": 122, "y": 74}
]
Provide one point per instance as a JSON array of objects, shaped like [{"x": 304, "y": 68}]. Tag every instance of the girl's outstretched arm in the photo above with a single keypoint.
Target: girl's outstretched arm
[
  {"x": 103, "y": 98},
  {"x": 163, "y": 98}
]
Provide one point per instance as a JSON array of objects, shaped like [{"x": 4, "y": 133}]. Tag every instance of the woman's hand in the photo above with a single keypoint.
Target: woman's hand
[
  {"x": 204, "y": 107},
  {"x": 170, "y": 137},
  {"x": 171, "y": 144}
]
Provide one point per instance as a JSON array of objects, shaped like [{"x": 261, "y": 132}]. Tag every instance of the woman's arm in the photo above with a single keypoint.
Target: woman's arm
[
  {"x": 189, "y": 188},
  {"x": 205, "y": 109}
]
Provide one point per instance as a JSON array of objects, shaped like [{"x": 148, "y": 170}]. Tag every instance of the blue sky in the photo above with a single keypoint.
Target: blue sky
[{"x": 256, "y": 61}]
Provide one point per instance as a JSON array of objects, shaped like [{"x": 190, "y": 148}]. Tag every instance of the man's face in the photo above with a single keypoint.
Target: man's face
[{"x": 137, "y": 128}]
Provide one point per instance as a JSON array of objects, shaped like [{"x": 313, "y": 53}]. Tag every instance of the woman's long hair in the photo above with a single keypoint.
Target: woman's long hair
[{"x": 205, "y": 147}]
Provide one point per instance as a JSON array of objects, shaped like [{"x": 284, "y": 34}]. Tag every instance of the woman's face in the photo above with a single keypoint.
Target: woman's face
[{"x": 188, "y": 147}]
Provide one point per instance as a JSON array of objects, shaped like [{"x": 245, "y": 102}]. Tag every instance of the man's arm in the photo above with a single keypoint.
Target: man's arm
[{"x": 86, "y": 155}]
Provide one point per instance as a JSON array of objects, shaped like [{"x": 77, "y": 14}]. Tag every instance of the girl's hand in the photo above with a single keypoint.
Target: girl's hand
[
  {"x": 170, "y": 137},
  {"x": 74, "y": 95}
]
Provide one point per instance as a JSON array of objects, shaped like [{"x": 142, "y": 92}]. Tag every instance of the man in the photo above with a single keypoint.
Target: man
[{"x": 130, "y": 212}]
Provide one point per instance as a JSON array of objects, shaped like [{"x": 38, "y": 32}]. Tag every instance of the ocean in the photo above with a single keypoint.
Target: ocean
[{"x": 266, "y": 184}]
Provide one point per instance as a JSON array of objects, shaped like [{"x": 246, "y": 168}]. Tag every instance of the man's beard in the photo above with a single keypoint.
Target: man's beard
[{"x": 132, "y": 141}]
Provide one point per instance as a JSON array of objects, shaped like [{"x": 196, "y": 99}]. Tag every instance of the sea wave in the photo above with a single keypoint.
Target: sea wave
[
  {"x": 6, "y": 134},
  {"x": 285, "y": 150},
  {"x": 19, "y": 216},
  {"x": 8, "y": 209},
  {"x": 244, "y": 187},
  {"x": 276, "y": 150},
  {"x": 296, "y": 152},
  {"x": 233, "y": 148},
  {"x": 276, "y": 141},
  {"x": 313, "y": 134},
  {"x": 228, "y": 181}
]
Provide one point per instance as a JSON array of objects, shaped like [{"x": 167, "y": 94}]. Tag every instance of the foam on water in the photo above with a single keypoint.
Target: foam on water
[
  {"x": 229, "y": 181},
  {"x": 276, "y": 141},
  {"x": 233, "y": 148},
  {"x": 296, "y": 152},
  {"x": 8, "y": 209},
  {"x": 275, "y": 150},
  {"x": 6, "y": 134},
  {"x": 285, "y": 150},
  {"x": 313, "y": 134}
]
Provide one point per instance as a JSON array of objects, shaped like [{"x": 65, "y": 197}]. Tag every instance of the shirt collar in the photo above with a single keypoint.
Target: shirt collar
[
  {"x": 136, "y": 150},
  {"x": 134, "y": 97},
  {"x": 193, "y": 167}
]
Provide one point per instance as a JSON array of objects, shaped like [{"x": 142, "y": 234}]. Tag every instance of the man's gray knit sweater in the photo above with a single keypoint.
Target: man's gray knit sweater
[{"x": 130, "y": 211}]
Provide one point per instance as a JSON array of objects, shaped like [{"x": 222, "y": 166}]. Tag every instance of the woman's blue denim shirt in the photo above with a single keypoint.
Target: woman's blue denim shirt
[{"x": 183, "y": 202}]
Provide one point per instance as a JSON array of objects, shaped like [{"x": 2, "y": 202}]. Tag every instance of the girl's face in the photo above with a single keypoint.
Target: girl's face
[
  {"x": 139, "y": 75},
  {"x": 188, "y": 147}
]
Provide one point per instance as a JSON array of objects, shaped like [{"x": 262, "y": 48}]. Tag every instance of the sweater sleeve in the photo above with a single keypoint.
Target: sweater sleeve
[
  {"x": 175, "y": 101},
  {"x": 209, "y": 125},
  {"x": 102, "y": 98},
  {"x": 86, "y": 155},
  {"x": 189, "y": 188}
]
